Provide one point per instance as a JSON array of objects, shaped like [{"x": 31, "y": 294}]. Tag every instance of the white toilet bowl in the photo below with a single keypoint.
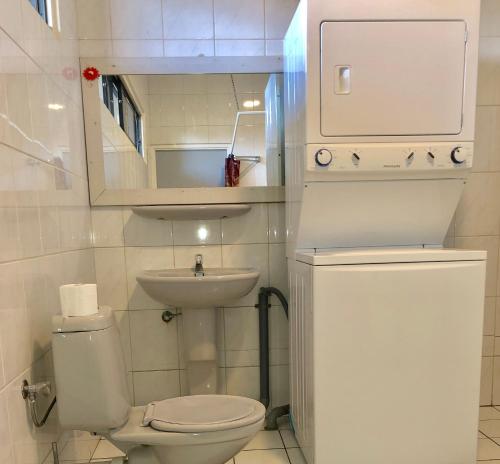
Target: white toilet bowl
[
  {"x": 204, "y": 442},
  {"x": 93, "y": 395}
]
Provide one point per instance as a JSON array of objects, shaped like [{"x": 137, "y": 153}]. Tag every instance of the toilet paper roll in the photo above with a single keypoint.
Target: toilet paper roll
[{"x": 78, "y": 299}]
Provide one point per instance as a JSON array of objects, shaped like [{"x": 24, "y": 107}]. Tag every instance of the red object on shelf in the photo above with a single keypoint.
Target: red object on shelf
[
  {"x": 91, "y": 73},
  {"x": 232, "y": 171}
]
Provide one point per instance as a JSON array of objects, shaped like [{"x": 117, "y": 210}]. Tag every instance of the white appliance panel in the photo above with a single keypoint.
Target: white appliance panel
[
  {"x": 392, "y": 78},
  {"x": 395, "y": 352},
  {"x": 376, "y": 213}
]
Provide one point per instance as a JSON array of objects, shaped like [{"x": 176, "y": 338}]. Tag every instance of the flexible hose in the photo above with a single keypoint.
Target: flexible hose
[{"x": 34, "y": 413}]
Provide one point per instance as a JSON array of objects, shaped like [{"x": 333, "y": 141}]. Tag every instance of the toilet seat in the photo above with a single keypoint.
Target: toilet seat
[{"x": 200, "y": 413}]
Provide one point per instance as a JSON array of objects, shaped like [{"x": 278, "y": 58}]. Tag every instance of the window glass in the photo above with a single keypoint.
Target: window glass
[{"x": 122, "y": 107}]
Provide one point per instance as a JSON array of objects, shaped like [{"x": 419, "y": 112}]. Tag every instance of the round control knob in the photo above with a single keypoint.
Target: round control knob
[
  {"x": 323, "y": 157},
  {"x": 458, "y": 155}
]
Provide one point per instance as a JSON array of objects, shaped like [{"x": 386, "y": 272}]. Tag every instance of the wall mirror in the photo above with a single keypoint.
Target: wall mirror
[{"x": 185, "y": 138}]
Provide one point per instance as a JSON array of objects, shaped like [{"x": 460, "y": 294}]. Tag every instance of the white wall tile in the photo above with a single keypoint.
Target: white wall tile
[
  {"x": 487, "y": 143},
  {"x": 239, "y": 20},
  {"x": 96, "y": 48},
  {"x": 278, "y": 271},
  {"x": 243, "y": 381},
  {"x": 487, "y": 382},
  {"x": 139, "y": 259},
  {"x": 279, "y": 385},
  {"x": 488, "y": 91},
  {"x": 136, "y": 20},
  {"x": 251, "y": 227},
  {"x": 188, "y": 19},
  {"x": 6, "y": 449},
  {"x": 123, "y": 324},
  {"x": 240, "y": 47},
  {"x": 277, "y": 223},
  {"x": 90, "y": 24},
  {"x": 137, "y": 48},
  {"x": 155, "y": 386},
  {"x": 278, "y": 14},
  {"x": 488, "y": 345},
  {"x": 44, "y": 183},
  {"x": 154, "y": 342},
  {"x": 197, "y": 232},
  {"x": 180, "y": 48},
  {"x": 490, "y": 244},
  {"x": 489, "y": 316},
  {"x": 111, "y": 277},
  {"x": 490, "y": 18},
  {"x": 15, "y": 333},
  {"x": 274, "y": 47},
  {"x": 241, "y": 329},
  {"x": 140, "y": 231},
  {"x": 479, "y": 210},
  {"x": 107, "y": 226},
  {"x": 184, "y": 256},
  {"x": 247, "y": 256}
]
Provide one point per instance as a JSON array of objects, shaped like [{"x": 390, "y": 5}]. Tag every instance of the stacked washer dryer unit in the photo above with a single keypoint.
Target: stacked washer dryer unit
[{"x": 385, "y": 324}]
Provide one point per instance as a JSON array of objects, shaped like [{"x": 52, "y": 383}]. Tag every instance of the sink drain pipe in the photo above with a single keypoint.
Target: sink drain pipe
[{"x": 263, "y": 306}]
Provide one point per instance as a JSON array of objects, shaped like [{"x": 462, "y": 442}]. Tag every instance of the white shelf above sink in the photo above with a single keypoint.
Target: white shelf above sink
[{"x": 186, "y": 212}]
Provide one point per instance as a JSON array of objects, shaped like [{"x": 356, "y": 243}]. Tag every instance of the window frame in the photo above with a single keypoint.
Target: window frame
[
  {"x": 122, "y": 94},
  {"x": 42, "y": 7}
]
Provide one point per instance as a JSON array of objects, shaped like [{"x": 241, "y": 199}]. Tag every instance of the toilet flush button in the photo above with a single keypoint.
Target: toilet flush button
[{"x": 323, "y": 157}]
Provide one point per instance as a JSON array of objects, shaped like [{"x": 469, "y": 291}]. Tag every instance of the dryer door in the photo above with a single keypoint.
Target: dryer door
[{"x": 392, "y": 77}]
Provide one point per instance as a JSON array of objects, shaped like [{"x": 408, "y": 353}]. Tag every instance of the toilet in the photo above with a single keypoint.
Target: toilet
[{"x": 93, "y": 395}]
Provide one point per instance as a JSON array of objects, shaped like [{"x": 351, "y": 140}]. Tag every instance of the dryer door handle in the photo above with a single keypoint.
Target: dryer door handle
[{"x": 343, "y": 79}]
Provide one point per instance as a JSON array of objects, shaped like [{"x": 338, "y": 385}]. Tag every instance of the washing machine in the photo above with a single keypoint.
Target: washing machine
[
  {"x": 385, "y": 323},
  {"x": 386, "y": 354}
]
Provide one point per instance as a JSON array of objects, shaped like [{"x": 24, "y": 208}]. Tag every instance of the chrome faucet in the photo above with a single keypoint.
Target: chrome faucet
[{"x": 198, "y": 269}]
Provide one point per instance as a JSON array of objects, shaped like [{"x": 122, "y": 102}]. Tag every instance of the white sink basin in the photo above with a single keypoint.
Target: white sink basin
[{"x": 180, "y": 287}]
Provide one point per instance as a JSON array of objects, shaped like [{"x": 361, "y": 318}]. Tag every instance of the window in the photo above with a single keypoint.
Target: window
[
  {"x": 122, "y": 107},
  {"x": 42, "y": 6}
]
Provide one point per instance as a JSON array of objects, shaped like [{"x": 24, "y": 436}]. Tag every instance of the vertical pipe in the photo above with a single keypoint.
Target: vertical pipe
[{"x": 263, "y": 307}]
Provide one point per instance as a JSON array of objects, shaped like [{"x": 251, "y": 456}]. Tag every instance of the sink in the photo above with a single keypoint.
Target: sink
[{"x": 180, "y": 287}]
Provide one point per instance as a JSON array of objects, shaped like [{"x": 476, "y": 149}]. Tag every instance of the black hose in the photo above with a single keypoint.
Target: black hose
[{"x": 263, "y": 307}]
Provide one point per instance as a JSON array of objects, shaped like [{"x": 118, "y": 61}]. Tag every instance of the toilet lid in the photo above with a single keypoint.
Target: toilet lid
[{"x": 199, "y": 413}]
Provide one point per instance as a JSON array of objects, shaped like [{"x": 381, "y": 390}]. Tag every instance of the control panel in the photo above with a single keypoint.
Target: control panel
[{"x": 368, "y": 158}]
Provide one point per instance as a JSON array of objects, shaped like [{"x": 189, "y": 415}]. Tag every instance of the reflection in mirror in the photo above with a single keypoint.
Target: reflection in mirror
[{"x": 177, "y": 131}]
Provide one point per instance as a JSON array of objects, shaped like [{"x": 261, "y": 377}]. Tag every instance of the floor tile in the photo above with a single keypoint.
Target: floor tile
[
  {"x": 265, "y": 440},
  {"x": 79, "y": 450},
  {"x": 289, "y": 438},
  {"x": 488, "y": 413},
  {"x": 296, "y": 456},
  {"x": 491, "y": 428},
  {"x": 274, "y": 456},
  {"x": 487, "y": 450},
  {"x": 106, "y": 450}
]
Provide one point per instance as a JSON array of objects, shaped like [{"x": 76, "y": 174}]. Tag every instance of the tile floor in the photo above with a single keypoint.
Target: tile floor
[
  {"x": 268, "y": 447},
  {"x": 275, "y": 447}
]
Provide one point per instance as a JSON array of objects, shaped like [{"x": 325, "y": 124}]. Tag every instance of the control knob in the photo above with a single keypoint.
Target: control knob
[
  {"x": 323, "y": 157},
  {"x": 458, "y": 155}
]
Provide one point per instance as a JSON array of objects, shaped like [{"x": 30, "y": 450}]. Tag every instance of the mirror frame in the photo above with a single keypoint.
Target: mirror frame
[{"x": 100, "y": 196}]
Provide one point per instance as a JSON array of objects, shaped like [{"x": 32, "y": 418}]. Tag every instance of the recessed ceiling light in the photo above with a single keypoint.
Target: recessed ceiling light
[
  {"x": 251, "y": 103},
  {"x": 55, "y": 106}
]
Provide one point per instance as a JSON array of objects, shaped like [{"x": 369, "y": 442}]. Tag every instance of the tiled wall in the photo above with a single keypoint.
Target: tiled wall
[
  {"x": 477, "y": 221},
  {"x": 44, "y": 212},
  {"x": 153, "y": 28},
  {"x": 202, "y": 108},
  {"x": 126, "y": 244}
]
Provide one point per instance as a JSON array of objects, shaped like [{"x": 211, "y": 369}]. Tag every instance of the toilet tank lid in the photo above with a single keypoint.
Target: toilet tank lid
[{"x": 99, "y": 321}]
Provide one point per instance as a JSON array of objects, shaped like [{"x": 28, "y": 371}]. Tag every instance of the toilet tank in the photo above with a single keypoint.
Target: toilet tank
[{"x": 90, "y": 372}]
